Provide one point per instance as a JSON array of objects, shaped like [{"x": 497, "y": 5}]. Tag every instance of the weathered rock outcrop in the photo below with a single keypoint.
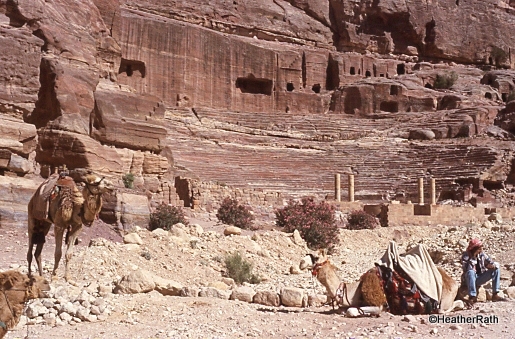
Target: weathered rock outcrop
[
  {"x": 270, "y": 95},
  {"x": 128, "y": 120},
  {"x": 444, "y": 29}
]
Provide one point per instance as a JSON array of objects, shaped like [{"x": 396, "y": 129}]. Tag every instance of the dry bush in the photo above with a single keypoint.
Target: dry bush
[
  {"x": 239, "y": 269},
  {"x": 359, "y": 220}
]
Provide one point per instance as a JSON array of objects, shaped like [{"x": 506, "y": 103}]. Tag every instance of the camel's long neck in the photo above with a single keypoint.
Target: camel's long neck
[
  {"x": 351, "y": 293},
  {"x": 92, "y": 204},
  {"x": 12, "y": 312}
]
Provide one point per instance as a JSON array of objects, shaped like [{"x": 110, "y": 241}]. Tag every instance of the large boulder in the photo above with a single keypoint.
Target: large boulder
[
  {"x": 123, "y": 119},
  {"x": 15, "y": 194},
  {"x": 140, "y": 281},
  {"x": 58, "y": 147}
]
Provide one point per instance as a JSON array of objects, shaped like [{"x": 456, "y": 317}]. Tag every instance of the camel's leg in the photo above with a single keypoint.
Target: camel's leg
[
  {"x": 37, "y": 254},
  {"x": 58, "y": 230},
  {"x": 71, "y": 237},
  {"x": 37, "y": 232},
  {"x": 29, "y": 254}
]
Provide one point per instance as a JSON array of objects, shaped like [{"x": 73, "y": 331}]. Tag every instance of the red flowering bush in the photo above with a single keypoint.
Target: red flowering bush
[
  {"x": 165, "y": 216},
  {"x": 359, "y": 220},
  {"x": 232, "y": 213},
  {"x": 314, "y": 221}
]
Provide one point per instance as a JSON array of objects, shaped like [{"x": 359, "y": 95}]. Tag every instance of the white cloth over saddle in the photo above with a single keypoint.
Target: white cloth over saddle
[{"x": 418, "y": 265}]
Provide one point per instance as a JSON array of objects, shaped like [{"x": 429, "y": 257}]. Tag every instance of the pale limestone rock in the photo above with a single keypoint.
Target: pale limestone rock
[
  {"x": 167, "y": 287},
  {"x": 228, "y": 281},
  {"x": 132, "y": 238},
  {"x": 510, "y": 292},
  {"x": 195, "y": 230},
  {"x": 159, "y": 232},
  {"x": 316, "y": 300},
  {"x": 232, "y": 230},
  {"x": 352, "y": 312},
  {"x": 140, "y": 281},
  {"x": 459, "y": 305},
  {"x": 243, "y": 293},
  {"x": 295, "y": 270},
  {"x": 268, "y": 298},
  {"x": 189, "y": 292},
  {"x": 212, "y": 292},
  {"x": 495, "y": 217},
  {"x": 131, "y": 247},
  {"x": 292, "y": 296},
  {"x": 297, "y": 239},
  {"x": 481, "y": 294},
  {"x": 219, "y": 285}
]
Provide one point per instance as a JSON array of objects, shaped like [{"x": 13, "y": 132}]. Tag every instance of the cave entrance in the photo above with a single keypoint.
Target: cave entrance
[
  {"x": 129, "y": 67},
  {"x": 401, "y": 69},
  {"x": 254, "y": 85}
]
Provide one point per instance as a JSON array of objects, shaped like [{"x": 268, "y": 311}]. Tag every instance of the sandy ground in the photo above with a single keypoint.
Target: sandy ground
[{"x": 152, "y": 315}]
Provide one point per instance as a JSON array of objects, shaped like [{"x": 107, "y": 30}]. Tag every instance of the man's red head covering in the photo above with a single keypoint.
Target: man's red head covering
[{"x": 474, "y": 243}]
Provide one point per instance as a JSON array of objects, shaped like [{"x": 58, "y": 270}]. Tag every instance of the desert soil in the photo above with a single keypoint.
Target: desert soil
[{"x": 199, "y": 263}]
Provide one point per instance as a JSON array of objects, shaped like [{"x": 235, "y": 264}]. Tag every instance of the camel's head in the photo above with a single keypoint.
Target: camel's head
[
  {"x": 34, "y": 287},
  {"x": 311, "y": 259},
  {"x": 38, "y": 286},
  {"x": 98, "y": 185}
]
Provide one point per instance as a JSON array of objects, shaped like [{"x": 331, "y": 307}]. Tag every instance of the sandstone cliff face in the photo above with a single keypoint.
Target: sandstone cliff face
[
  {"x": 263, "y": 94},
  {"x": 464, "y": 31}
]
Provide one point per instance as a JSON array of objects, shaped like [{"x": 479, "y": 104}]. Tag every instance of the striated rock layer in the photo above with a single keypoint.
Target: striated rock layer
[{"x": 268, "y": 95}]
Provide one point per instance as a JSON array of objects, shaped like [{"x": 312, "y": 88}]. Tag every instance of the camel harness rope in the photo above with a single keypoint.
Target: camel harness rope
[{"x": 2, "y": 324}]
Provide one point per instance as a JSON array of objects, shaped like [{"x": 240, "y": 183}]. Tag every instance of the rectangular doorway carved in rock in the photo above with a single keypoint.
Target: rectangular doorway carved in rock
[
  {"x": 254, "y": 85},
  {"x": 130, "y": 67}
]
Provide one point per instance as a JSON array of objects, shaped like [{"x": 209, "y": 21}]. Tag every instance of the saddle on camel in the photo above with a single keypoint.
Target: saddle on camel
[
  {"x": 58, "y": 201},
  {"x": 401, "y": 284}
]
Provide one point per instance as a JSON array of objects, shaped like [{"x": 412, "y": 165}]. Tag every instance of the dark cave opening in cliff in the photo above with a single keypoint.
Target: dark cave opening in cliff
[
  {"x": 389, "y": 106},
  {"x": 401, "y": 69},
  {"x": 290, "y": 87},
  {"x": 254, "y": 85},
  {"x": 129, "y": 67},
  {"x": 316, "y": 88},
  {"x": 352, "y": 71}
]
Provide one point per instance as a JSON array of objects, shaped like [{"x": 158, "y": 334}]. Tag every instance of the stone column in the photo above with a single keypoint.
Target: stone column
[
  {"x": 433, "y": 191},
  {"x": 421, "y": 191},
  {"x": 337, "y": 192},
  {"x": 351, "y": 187}
]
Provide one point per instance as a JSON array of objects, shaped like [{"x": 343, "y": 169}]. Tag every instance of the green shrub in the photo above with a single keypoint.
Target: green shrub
[
  {"x": 165, "y": 216},
  {"x": 128, "y": 180},
  {"x": 232, "y": 213},
  {"x": 315, "y": 222},
  {"x": 445, "y": 81},
  {"x": 359, "y": 220},
  {"x": 239, "y": 269}
]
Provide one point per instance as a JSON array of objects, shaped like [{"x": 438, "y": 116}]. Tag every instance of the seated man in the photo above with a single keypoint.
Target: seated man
[{"x": 478, "y": 269}]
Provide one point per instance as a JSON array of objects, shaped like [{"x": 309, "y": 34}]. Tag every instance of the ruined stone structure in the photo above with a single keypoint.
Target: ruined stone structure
[{"x": 269, "y": 97}]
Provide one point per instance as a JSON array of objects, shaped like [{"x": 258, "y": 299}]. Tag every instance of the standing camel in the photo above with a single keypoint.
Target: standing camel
[
  {"x": 367, "y": 291},
  {"x": 68, "y": 210}
]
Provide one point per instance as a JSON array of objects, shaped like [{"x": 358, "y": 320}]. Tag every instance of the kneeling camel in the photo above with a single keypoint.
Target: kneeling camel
[
  {"x": 368, "y": 290},
  {"x": 15, "y": 290}
]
